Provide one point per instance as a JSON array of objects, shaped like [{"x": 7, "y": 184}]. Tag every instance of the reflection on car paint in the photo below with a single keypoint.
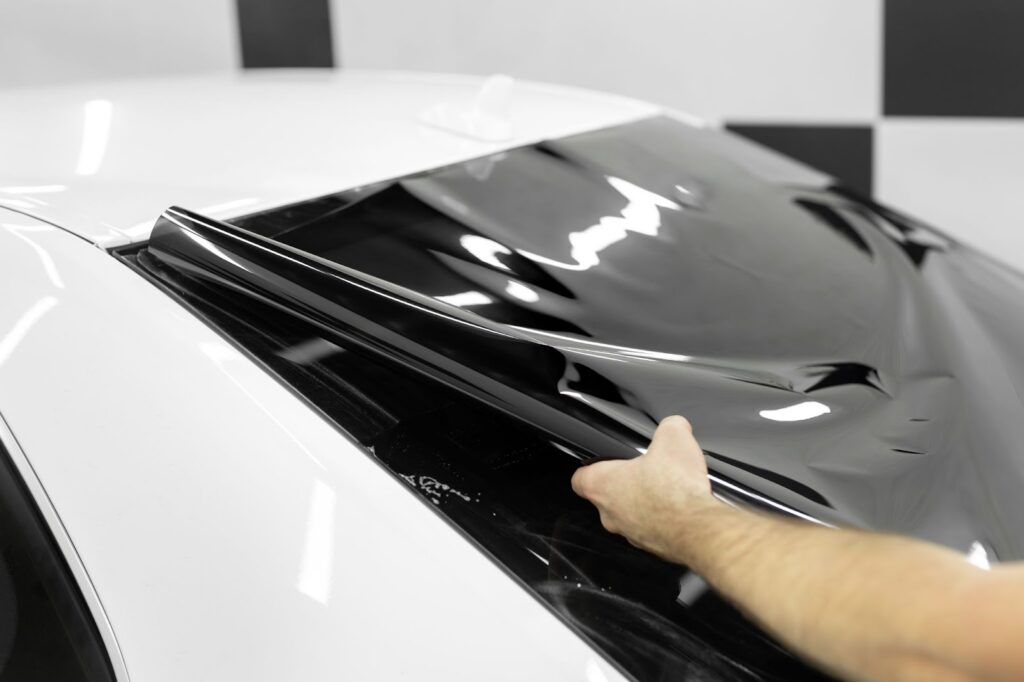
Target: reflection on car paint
[{"x": 837, "y": 359}]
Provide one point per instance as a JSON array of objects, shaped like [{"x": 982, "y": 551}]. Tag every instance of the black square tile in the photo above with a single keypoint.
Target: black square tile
[
  {"x": 846, "y": 152},
  {"x": 285, "y": 33},
  {"x": 954, "y": 58}
]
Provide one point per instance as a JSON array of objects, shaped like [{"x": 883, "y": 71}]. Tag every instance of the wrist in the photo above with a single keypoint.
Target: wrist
[{"x": 701, "y": 516}]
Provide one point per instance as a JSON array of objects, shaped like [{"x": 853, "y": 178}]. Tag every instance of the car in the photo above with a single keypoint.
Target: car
[{"x": 295, "y": 368}]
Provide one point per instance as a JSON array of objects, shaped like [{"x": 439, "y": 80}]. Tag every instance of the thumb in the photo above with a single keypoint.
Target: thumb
[
  {"x": 673, "y": 433},
  {"x": 588, "y": 481}
]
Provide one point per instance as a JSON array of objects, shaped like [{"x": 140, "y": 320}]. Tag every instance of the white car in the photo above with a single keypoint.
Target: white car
[{"x": 318, "y": 423}]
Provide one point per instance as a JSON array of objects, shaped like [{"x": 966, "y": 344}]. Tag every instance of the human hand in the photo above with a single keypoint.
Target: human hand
[{"x": 653, "y": 498}]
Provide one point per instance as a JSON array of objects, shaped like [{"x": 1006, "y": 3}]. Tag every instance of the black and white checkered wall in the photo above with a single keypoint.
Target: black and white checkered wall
[
  {"x": 919, "y": 102},
  {"x": 948, "y": 140}
]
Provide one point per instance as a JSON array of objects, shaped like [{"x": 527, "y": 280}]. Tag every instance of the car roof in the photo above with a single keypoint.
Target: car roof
[{"x": 103, "y": 159}]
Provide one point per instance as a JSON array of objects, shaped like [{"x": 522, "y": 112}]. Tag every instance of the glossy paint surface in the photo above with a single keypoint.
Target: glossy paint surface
[
  {"x": 230, "y": 532},
  {"x": 103, "y": 159}
]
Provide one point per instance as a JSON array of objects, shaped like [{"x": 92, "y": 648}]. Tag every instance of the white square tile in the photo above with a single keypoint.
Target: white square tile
[
  {"x": 55, "y": 41},
  {"x": 965, "y": 176}
]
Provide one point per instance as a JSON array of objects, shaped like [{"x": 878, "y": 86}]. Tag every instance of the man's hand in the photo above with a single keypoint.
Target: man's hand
[
  {"x": 865, "y": 606},
  {"x": 653, "y": 498}
]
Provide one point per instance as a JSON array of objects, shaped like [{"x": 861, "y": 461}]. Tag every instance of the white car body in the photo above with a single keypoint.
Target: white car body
[{"x": 220, "y": 528}]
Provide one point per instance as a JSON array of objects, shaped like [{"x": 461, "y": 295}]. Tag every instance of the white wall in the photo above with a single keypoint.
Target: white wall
[
  {"x": 963, "y": 175},
  {"x": 56, "y": 41},
  {"x": 762, "y": 60},
  {"x": 741, "y": 61}
]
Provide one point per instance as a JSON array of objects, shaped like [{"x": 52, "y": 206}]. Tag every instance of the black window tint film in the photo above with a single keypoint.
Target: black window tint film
[{"x": 46, "y": 630}]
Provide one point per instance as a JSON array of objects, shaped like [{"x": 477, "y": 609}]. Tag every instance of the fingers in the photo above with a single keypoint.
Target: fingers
[
  {"x": 607, "y": 522},
  {"x": 581, "y": 482},
  {"x": 672, "y": 435},
  {"x": 588, "y": 481},
  {"x": 677, "y": 423}
]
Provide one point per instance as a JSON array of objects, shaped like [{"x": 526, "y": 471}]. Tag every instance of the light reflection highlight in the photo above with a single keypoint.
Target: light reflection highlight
[
  {"x": 310, "y": 351},
  {"x": 594, "y": 672},
  {"x": 228, "y": 205},
  {"x": 454, "y": 204},
  {"x": 48, "y": 265},
  {"x": 34, "y": 189},
  {"x": 23, "y": 326},
  {"x": 318, "y": 549},
  {"x": 17, "y": 203},
  {"x": 212, "y": 248},
  {"x": 797, "y": 413},
  {"x": 640, "y": 215},
  {"x": 691, "y": 588},
  {"x": 977, "y": 556},
  {"x": 95, "y": 135},
  {"x": 485, "y": 250},
  {"x": 466, "y": 298},
  {"x": 573, "y": 343},
  {"x": 522, "y": 292}
]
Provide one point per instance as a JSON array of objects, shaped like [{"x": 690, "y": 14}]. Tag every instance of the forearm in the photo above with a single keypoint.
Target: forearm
[{"x": 865, "y": 605}]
